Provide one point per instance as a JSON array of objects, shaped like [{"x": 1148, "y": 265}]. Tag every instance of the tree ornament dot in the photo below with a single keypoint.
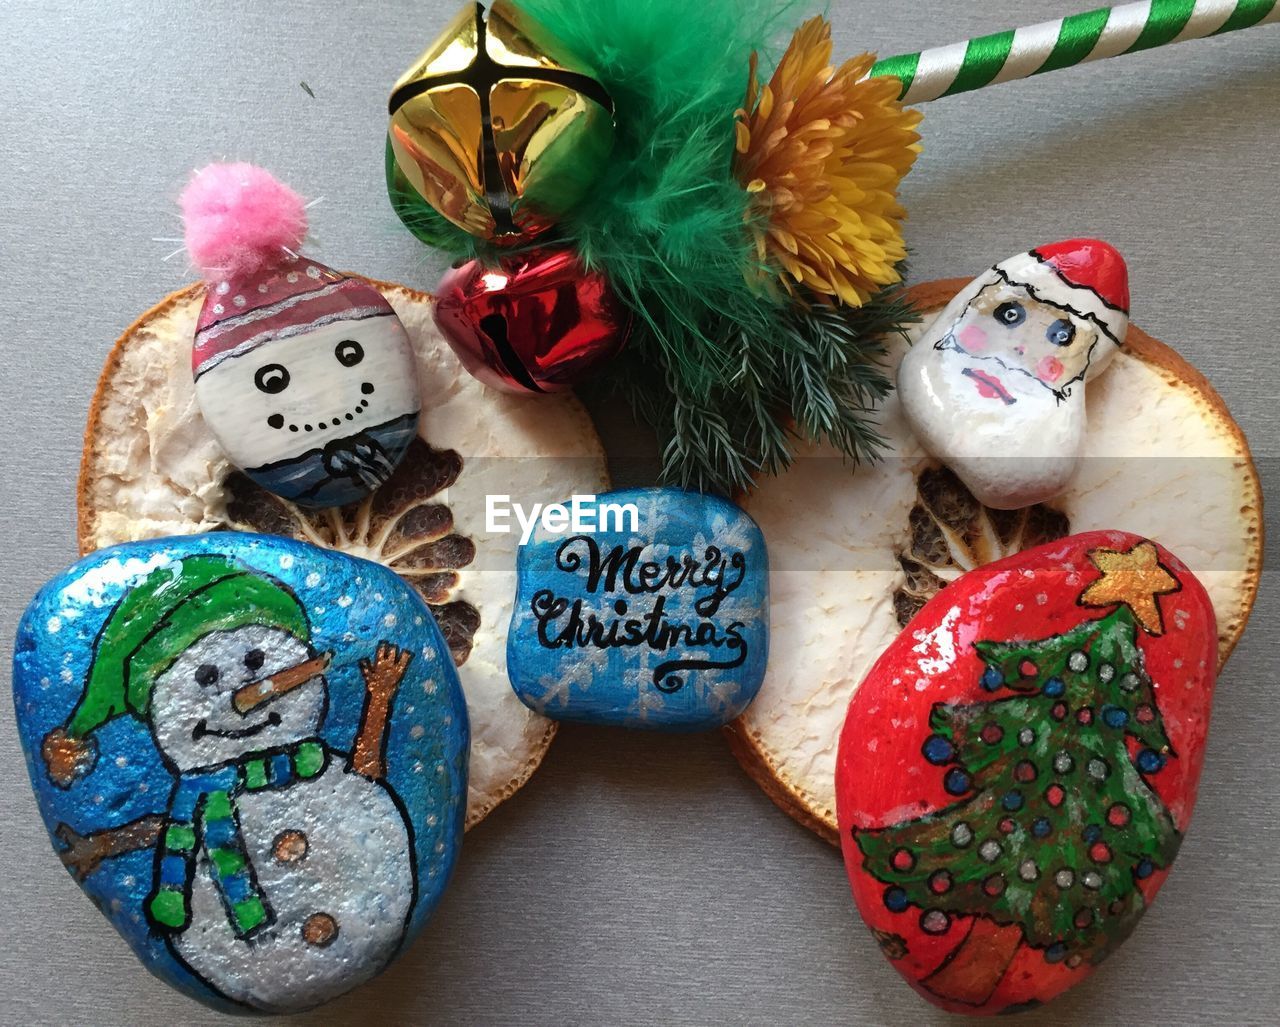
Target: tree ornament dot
[
  {"x": 1149, "y": 761},
  {"x": 1074, "y": 960},
  {"x": 1041, "y": 827},
  {"x": 1055, "y": 953},
  {"x": 1119, "y": 815},
  {"x": 992, "y": 733},
  {"x": 1084, "y": 715},
  {"x": 992, "y": 679},
  {"x": 1100, "y": 852},
  {"x": 1078, "y": 662},
  {"x": 1028, "y": 870},
  {"x": 1054, "y": 795},
  {"x": 934, "y": 921},
  {"x": 1012, "y": 801},
  {"x": 1028, "y": 669},
  {"x": 961, "y": 835},
  {"x": 937, "y": 750},
  {"x": 1114, "y": 716},
  {"x": 1007, "y": 825},
  {"x": 1144, "y": 870},
  {"x": 994, "y": 885},
  {"x": 1106, "y": 672},
  {"x": 895, "y": 900},
  {"x": 1091, "y": 833},
  {"x": 1092, "y": 880},
  {"x": 956, "y": 782},
  {"x": 1098, "y": 769},
  {"x": 1064, "y": 878},
  {"x": 903, "y": 860},
  {"x": 1144, "y": 714},
  {"x": 1025, "y": 772},
  {"x": 989, "y": 851},
  {"x": 1083, "y": 918},
  {"x": 1054, "y": 688},
  {"x": 1059, "y": 711},
  {"x": 1026, "y": 736},
  {"x": 940, "y": 882},
  {"x": 1130, "y": 682},
  {"x": 1063, "y": 763}
]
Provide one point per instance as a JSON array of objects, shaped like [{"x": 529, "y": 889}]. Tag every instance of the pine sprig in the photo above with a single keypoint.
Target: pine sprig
[{"x": 728, "y": 417}]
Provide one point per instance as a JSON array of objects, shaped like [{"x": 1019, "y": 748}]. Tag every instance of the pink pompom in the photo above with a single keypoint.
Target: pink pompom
[{"x": 240, "y": 219}]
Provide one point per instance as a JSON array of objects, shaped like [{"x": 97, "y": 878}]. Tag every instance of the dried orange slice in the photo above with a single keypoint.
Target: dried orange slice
[
  {"x": 152, "y": 468},
  {"x": 853, "y": 556}
]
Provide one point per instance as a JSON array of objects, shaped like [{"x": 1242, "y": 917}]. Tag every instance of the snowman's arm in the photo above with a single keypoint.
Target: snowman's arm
[
  {"x": 84, "y": 852},
  {"x": 382, "y": 676}
]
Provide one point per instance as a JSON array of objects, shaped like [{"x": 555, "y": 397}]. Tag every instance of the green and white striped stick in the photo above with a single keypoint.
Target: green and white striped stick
[{"x": 1106, "y": 32}]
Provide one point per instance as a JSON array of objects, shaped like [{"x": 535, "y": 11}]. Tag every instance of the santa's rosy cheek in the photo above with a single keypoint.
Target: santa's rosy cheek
[
  {"x": 972, "y": 338},
  {"x": 1049, "y": 369}
]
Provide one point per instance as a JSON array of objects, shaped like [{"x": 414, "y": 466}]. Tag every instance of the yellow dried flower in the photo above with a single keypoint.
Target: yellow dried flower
[{"x": 821, "y": 151}]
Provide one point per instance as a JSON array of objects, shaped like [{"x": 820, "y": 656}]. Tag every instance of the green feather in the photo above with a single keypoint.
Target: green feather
[{"x": 720, "y": 365}]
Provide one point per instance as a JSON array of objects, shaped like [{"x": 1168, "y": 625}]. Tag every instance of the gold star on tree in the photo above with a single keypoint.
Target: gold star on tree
[{"x": 1134, "y": 578}]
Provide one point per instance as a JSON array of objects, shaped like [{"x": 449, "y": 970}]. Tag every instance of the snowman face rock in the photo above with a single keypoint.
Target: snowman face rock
[
  {"x": 995, "y": 387},
  {"x": 313, "y": 394},
  {"x": 193, "y": 718}
]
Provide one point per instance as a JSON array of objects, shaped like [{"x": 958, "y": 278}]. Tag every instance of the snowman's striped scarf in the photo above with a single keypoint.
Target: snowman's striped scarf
[{"x": 202, "y": 815}]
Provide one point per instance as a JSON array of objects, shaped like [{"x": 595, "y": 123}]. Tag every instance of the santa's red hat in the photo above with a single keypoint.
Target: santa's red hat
[{"x": 1086, "y": 277}]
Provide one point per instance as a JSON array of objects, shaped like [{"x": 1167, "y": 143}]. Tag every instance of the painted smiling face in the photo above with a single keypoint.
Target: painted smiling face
[
  {"x": 307, "y": 379},
  {"x": 995, "y": 387},
  {"x": 235, "y": 692}
]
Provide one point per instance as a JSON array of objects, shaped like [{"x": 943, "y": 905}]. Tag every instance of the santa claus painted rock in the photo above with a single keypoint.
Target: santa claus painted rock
[
  {"x": 1017, "y": 770},
  {"x": 304, "y": 375},
  {"x": 252, "y": 755},
  {"x": 996, "y": 387}
]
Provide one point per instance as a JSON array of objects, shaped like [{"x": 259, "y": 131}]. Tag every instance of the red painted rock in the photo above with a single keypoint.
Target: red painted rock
[{"x": 1016, "y": 771}]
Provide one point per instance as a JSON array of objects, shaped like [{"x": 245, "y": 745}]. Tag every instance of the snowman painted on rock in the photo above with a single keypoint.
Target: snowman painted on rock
[
  {"x": 284, "y": 871},
  {"x": 995, "y": 388},
  {"x": 305, "y": 376}
]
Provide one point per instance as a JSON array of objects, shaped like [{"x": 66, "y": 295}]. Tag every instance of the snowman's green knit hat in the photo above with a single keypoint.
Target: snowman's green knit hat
[{"x": 168, "y": 611}]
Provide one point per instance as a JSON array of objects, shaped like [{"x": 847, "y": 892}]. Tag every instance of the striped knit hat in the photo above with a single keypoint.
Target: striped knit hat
[
  {"x": 292, "y": 298},
  {"x": 243, "y": 230}
]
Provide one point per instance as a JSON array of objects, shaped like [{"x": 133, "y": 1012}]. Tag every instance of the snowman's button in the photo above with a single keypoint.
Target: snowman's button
[
  {"x": 319, "y": 930},
  {"x": 289, "y": 846}
]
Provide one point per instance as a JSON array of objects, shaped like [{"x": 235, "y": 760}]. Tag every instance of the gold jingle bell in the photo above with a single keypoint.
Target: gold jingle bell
[{"x": 497, "y": 126}]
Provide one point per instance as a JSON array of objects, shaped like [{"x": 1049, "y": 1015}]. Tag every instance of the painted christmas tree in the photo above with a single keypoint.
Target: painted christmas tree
[{"x": 1054, "y": 823}]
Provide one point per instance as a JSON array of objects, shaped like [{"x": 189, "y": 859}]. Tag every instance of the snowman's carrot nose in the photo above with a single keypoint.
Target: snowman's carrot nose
[{"x": 248, "y": 698}]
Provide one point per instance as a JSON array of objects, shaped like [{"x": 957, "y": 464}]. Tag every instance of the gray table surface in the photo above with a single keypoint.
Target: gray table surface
[{"x": 636, "y": 878}]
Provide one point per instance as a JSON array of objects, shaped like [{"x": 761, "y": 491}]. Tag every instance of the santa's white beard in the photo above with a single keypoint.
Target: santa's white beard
[{"x": 1010, "y": 455}]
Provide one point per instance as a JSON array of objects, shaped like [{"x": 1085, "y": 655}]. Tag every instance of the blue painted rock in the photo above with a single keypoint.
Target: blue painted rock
[
  {"x": 252, "y": 755},
  {"x": 1017, "y": 770},
  {"x": 658, "y": 618}
]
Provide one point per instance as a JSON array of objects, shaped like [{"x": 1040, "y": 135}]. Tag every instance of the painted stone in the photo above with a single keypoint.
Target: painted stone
[
  {"x": 995, "y": 388},
  {"x": 252, "y": 755},
  {"x": 306, "y": 378},
  {"x": 1016, "y": 772},
  {"x": 657, "y": 619}
]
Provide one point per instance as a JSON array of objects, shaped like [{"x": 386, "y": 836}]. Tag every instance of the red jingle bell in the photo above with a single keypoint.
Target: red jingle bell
[{"x": 537, "y": 322}]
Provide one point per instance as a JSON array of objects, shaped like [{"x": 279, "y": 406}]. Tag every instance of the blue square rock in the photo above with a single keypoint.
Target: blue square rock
[{"x": 648, "y": 609}]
